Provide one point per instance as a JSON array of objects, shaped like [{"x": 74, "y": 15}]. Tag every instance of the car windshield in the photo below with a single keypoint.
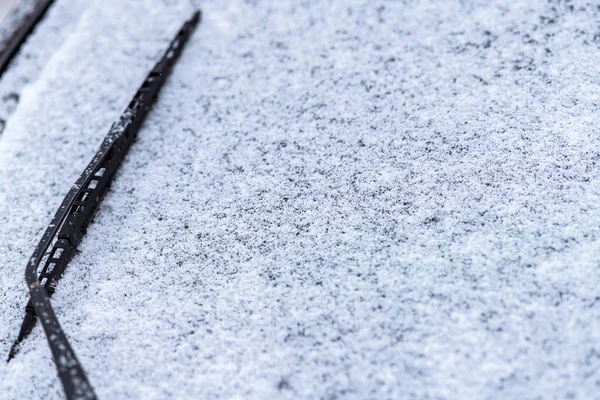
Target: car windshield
[{"x": 6, "y": 6}]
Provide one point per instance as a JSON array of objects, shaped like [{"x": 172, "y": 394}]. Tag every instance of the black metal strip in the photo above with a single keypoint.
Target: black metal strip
[
  {"x": 75, "y": 214},
  {"x": 10, "y": 47}
]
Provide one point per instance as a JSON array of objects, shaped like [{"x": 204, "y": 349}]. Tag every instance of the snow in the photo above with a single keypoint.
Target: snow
[{"x": 358, "y": 200}]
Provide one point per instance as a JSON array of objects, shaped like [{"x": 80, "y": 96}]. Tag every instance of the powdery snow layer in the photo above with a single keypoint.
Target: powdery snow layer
[{"x": 359, "y": 200}]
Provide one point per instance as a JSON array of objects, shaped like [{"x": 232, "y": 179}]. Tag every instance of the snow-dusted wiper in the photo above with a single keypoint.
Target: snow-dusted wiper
[
  {"x": 70, "y": 222},
  {"x": 10, "y": 46}
]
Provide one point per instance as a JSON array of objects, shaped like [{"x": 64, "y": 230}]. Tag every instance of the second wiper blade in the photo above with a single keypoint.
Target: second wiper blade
[{"x": 11, "y": 45}]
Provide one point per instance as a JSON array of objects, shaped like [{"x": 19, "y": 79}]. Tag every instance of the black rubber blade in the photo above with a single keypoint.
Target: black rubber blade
[
  {"x": 75, "y": 213},
  {"x": 10, "y": 47}
]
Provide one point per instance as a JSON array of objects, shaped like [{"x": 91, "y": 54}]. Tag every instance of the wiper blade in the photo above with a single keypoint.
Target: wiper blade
[
  {"x": 74, "y": 215},
  {"x": 10, "y": 47}
]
